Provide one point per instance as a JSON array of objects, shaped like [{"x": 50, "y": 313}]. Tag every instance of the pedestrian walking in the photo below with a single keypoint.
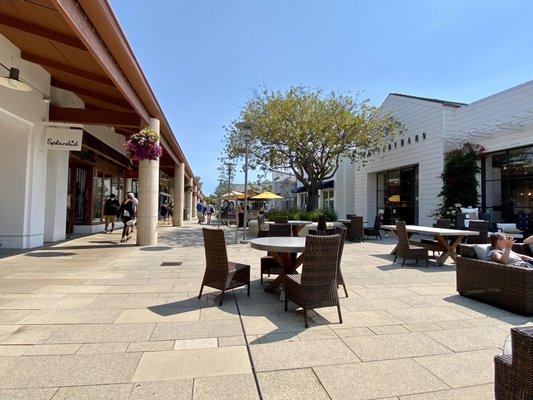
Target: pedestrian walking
[
  {"x": 111, "y": 206},
  {"x": 200, "y": 210},
  {"x": 209, "y": 210},
  {"x": 164, "y": 211},
  {"x": 127, "y": 213}
]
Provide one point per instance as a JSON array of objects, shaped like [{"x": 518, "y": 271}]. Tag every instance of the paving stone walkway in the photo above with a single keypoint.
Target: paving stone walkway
[{"x": 94, "y": 319}]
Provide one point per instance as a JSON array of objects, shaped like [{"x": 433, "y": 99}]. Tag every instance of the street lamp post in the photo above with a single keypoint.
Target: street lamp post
[{"x": 246, "y": 129}]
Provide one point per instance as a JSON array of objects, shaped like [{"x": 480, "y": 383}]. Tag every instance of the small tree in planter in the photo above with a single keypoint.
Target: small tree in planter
[
  {"x": 143, "y": 145},
  {"x": 459, "y": 183}
]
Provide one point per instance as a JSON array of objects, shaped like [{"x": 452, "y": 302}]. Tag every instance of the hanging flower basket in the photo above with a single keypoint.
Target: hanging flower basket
[{"x": 143, "y": 145}]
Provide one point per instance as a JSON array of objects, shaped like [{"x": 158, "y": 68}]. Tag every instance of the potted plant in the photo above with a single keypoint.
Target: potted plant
[{"x": 143, "y": 145}]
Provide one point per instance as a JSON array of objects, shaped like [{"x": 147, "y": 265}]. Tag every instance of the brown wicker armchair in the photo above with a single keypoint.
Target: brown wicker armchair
[
  {"x": 513, "y": 373},
  {"x": 356, "y": 232},
  {"x": 341, "y": 231},
  {"x": 317, "y": 285},
  {"x": 506, "y": 286},
  {"x": 478, "y": 226},
  {"x": 220, "y": 273},
  {"x": 281, "y": 220},
  {"x": 268, "y": 264},
  {"x": 407, "y": 251}
]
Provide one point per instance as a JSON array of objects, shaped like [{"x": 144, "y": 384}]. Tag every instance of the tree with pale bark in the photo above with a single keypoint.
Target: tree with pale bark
[{"x": 309, "y": 132}]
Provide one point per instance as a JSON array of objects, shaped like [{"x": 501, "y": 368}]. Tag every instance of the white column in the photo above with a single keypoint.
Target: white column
[
  {"x": 147, "y": 210},
  {"x": 55, "y": 214},
  {"x": 179, "y": 183},
  {"x": 194, "y": 201},
  {"x": 188, "y": 198}
]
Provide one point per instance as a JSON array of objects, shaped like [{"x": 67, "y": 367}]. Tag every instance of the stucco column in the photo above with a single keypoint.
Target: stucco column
[
  {"x": 179, "y": 183},
  {"x": 147, "y": 210},
  {"x": 188, "y": 198},
  {"x": 194, "y": 201}
]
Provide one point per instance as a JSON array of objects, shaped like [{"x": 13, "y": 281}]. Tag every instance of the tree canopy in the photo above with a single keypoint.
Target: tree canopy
[{"x": 309, "y": 132}]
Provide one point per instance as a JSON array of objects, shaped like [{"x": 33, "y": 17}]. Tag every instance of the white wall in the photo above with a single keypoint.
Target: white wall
[
  {"x": 23, "y": 155},
  {"x": 417, "y": 117},
  {"x": 55, "y": 217}
]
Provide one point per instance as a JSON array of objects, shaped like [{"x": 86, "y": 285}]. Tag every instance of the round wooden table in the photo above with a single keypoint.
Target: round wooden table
[{"x": 285, "y": 251}]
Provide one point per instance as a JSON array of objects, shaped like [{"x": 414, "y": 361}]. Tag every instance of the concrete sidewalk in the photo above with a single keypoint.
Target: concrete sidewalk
[{"x": 95, "y": 319}]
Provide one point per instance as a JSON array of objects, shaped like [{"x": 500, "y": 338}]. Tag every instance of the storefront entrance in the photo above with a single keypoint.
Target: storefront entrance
[
  {"x": 507, "y": 187},
  {"x": 397, "y": 195}
]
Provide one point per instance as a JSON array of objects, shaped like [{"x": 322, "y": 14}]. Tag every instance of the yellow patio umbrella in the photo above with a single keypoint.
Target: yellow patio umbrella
[{"x": 267, "y": 196}]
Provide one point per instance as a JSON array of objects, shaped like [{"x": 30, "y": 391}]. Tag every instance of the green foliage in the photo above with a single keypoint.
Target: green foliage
[
  {"x": 459, "y": 183},
  {"x": 330, "y": 214},
  {"x": 309, "y": 131},
  {"x": 295, "y": 214}
]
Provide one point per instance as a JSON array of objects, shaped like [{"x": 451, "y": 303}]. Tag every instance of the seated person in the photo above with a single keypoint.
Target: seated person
[{"x": 501, "y": 252}]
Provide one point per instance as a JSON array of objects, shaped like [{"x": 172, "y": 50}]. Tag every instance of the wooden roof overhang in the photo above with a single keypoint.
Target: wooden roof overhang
[{"x": 80, "y": 43}]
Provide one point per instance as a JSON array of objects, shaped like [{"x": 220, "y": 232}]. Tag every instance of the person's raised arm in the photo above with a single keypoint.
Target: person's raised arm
[{"x": 503, "y": 258}]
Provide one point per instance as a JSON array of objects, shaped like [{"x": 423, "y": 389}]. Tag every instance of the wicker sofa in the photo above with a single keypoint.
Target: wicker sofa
[
  {"x": 514, "y": 372},
  {"x": 505, "y": 286}
]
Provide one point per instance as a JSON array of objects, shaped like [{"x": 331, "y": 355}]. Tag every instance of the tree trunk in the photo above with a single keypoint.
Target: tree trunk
[{"x": 312, "y": 199}]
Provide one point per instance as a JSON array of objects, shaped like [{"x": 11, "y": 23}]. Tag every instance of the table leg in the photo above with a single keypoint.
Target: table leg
[
  {"x": 289, "y": 262},
  {"x": 450, "y": 247}
]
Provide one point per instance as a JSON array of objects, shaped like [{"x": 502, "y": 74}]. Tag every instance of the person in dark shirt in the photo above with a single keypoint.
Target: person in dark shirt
[
  {"x": 127, "y": 213},
  {"x": 111, "y": 206}
]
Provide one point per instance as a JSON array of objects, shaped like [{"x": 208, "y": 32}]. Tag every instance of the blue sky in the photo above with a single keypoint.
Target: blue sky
[{"x": 202, "y": 58}]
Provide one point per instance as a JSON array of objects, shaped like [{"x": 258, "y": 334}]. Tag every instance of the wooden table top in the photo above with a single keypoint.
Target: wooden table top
[{"x": 432, "y": 231}]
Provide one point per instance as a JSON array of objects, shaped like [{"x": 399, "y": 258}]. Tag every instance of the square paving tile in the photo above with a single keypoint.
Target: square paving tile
[
  {"x": 49, "y": 349},
  {"x": 428, "y": 314},
  {"x": 164, "y": 390},
  {"x": 203, "y": 343},
  {"x": 180, "y": 364},
  {"x": 27, "y": 394},
  {"x": 385, "y": 347},
  {"x": 159, "y": 345},
  {"x": 71, "y": 370},
  {"x": 484, "y": 392},
  {"x": 101, "y": 348},
  {"x": 301, "y": 354},
  {"x": 197, "y": 329},
  {"x": 375, "y": 380},
  {"x": 99, "y": 392},
  {"x": 71, "y": 317},
  {"x": 295, "y": 384},
  {"x": 165, "y": 315},
  {"x": 471, "y": 338},
  {"x": 240, "y": 387},
  {"x": 462, "y": 369},
  {"x": 26, "y": 334},
  {"x": 102, "y": 333}
]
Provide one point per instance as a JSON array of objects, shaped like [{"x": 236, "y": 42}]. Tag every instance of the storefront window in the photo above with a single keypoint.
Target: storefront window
[
  {"x": 507, "y": 189},
  {"x": 327, "y": 199},
  {"x": 397, "y": 195},
  {"x": 98, "y": 198}
]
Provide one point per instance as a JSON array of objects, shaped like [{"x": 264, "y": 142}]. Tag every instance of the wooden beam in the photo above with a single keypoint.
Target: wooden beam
[
  {"x": 73, "y": 13},
  {"x": 40, "y": 31},
  {"x": 69, "y": 69},
  {"x": 94, "y": 117},
  {"x": 90, "y": 93}
]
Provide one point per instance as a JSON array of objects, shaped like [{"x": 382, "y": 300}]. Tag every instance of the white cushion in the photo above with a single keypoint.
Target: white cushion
[
  {"x": 482, "y": 251},
  {"x": 531, "y": 248}
]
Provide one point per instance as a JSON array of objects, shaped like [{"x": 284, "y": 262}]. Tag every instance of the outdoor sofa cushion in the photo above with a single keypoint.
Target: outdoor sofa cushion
[{"x": 482, "y": 251}]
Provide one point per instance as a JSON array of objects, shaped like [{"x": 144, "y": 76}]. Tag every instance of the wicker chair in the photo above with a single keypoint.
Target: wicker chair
[
  {"x": 317, "y": 285},
  {"x": 443, "y": 223},
  {"x": 433, "y": 244},
  {"x": 269, "y": 265},
  {"x": 341, "y": 231},
  {"x": 479, "y": 226},
  {"x": 407, "y": 251},
  {"x": 506, "y": 286},
  {"x": 281, "y": 220},
  {"x": 356, "y": 232},
  {"x": 220, "y": 273},
  {"x": 375, "y": 230},
  {"x": 513, "y": 377},
  {"x": 321, "y": 225}
]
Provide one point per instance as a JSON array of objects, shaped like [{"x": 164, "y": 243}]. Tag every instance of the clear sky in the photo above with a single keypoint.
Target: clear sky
[{"x": 203, "y": 57}]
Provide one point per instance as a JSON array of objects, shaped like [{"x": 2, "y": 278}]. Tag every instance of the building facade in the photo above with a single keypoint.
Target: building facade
[
  {"x": 79, "y": 80},
  {"x": 404, "y": 178}
]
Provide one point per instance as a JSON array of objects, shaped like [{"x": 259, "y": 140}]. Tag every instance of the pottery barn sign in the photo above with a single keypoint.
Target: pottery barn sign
[{"x": 64, "y": 139}]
